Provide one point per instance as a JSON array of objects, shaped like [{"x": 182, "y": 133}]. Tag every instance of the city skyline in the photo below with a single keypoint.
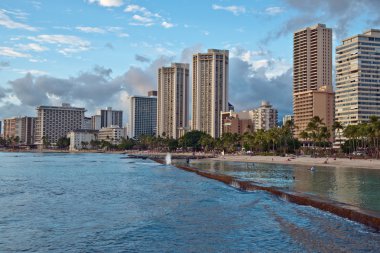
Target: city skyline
[{"x": 119, "y": 53}]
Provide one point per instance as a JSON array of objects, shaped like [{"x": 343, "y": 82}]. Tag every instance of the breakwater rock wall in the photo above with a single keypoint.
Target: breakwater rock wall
[{"x": 350, "y": 212}]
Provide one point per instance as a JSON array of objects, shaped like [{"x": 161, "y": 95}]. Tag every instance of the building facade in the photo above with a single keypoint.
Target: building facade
[
  {"x": 172, "y": 100},
  {"x": 314, "y": 103},
  {"x": 87, "y": 123},
  {"x": 109, "y": 117},
  {"x": 112, "y": 134},
  {"x": 96, "y": 122},
  {"x": 54, "y": 122},
  {"x": 312, "y": 72},
  {"x": 265, "y": 117},
  {"x": 358, "y": 78},
  {"x": 287, "y": 118},
  {"x": 142, "y": 116},
  {"x": 21, "y": 127},
  {"x": 210, "y": 90},
  {"x": 233, "y": 122},
  {"x": 81, "y": 138}
]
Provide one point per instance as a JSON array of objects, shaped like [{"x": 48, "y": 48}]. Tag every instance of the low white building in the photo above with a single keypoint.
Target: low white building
[
  {"x": 82, "y": 137},
  {"x": 112, "y": 134}
]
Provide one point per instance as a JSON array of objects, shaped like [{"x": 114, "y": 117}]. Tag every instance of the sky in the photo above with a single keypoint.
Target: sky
[{"x": 97, "y": 53}]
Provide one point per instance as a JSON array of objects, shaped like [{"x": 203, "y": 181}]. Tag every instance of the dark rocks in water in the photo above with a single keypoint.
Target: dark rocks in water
[{"x": 134, "y": 157}]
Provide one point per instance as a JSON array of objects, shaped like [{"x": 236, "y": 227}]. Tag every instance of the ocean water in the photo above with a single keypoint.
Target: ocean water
[
  {"x": 102, "y": 203},
  {"x": 354, "y": 186}
]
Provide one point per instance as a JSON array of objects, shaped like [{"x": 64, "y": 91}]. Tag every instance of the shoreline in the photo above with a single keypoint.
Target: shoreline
[
  {"x": 300, "y": 160},
  {"x": 304, "y": 161}
]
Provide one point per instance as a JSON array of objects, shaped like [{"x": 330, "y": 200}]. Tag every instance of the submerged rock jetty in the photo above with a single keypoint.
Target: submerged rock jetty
[{"x": 368, "y": 218}]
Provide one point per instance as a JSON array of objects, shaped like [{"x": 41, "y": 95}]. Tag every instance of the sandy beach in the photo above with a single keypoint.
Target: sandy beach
[{"x": 307, "y": 161}]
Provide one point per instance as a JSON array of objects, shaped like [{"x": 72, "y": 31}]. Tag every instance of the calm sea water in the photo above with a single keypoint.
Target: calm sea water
[
  {"x": 358, "y": 187},
  {"x": 101, "y": 203}
]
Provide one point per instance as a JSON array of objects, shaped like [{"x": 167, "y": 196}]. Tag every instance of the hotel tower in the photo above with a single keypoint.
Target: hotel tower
[
  {"x": 172, "y": 100},
  {"x": 210, "y": 90},
  {"x": 312, "y": 76},
  {"x": 358, "y": 78}
]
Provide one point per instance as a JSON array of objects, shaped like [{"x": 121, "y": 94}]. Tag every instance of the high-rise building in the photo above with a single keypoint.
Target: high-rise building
[
  {"x": 287, "y": 118},
  {"x": 358, "y": 78},
  {"x": 312, "y": 76},
  {"x": 109, "y": 117},
  {"x": 152, "y": 93},
  {"x": 54, "y": 122},
  {"x": 87, "y": 123},
  {"x": 96, "y": 122},
  {"x": 210, "y": 90},
  {"x": 264, "y": 117},
  {"x": 172, "y": 100},
  {"x": 21, "y": 127},
  {"x": 142, "y": 116}
]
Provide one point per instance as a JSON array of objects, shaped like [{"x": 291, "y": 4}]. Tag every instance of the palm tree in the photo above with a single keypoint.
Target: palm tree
[{"x": 337, "y": 128}]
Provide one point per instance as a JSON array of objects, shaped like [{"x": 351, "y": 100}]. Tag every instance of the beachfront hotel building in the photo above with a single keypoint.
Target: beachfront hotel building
[
  {"x": 312, "y": 76},
  {"x": 21, "y": 127},
  {"x": 54, "y": 122},
  {"x": 358, "y": 78},
  {"x": 210, "y": 90},
  {"x": 81, "y": 138},
  {"x": 172, "y": 100},
  {"x": 112, "y": 134},
  {"x": 142, "y": 116}
]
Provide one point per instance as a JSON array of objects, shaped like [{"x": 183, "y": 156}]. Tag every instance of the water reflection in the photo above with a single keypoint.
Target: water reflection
[{"x": 359, "y": 187}]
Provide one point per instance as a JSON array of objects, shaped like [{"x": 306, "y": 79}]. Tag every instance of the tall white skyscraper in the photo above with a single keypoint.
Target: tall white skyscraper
[
  {"x": 172, "y": 100},
  {"x": 142, "y": 116},
  {"x": 358, "y": 78},
  {"x": 210, "y": 90}
]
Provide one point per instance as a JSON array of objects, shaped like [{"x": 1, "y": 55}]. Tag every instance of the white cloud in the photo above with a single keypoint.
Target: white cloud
[
  {"x": 236, "y": 10},
  {"x": 167, "y": 24},
  {"x": 143, "y": 17},
  {"x": 7, "y": 22},
  {"x": 67, "y": 44},
  {"x": 10, "y": 52},
  {"x": 108, "y": 3},
  {"x": 134, "y": 8},
  {"x": 270, "y": 66},
  {"x": 274, "y": 10},
  {"x": 32, "y": 47},
  {"x": 90, "y": 29}
]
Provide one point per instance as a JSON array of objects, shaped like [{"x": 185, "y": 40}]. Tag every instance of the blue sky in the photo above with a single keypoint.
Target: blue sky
[{"x": 95, "y": 53}]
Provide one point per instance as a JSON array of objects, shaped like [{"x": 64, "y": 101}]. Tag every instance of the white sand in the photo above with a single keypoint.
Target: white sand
[{"x": 307, "y": 161}]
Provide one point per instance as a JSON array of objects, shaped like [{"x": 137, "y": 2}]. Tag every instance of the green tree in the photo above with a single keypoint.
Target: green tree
[
  {"x": 191, "y": 140},
  {"x": 45, "y": 142},
  {"x": 63, "y": 143}
]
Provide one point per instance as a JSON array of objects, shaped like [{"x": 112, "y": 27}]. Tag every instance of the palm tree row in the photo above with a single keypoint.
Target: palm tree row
[{"x": 363, "y": 137}]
